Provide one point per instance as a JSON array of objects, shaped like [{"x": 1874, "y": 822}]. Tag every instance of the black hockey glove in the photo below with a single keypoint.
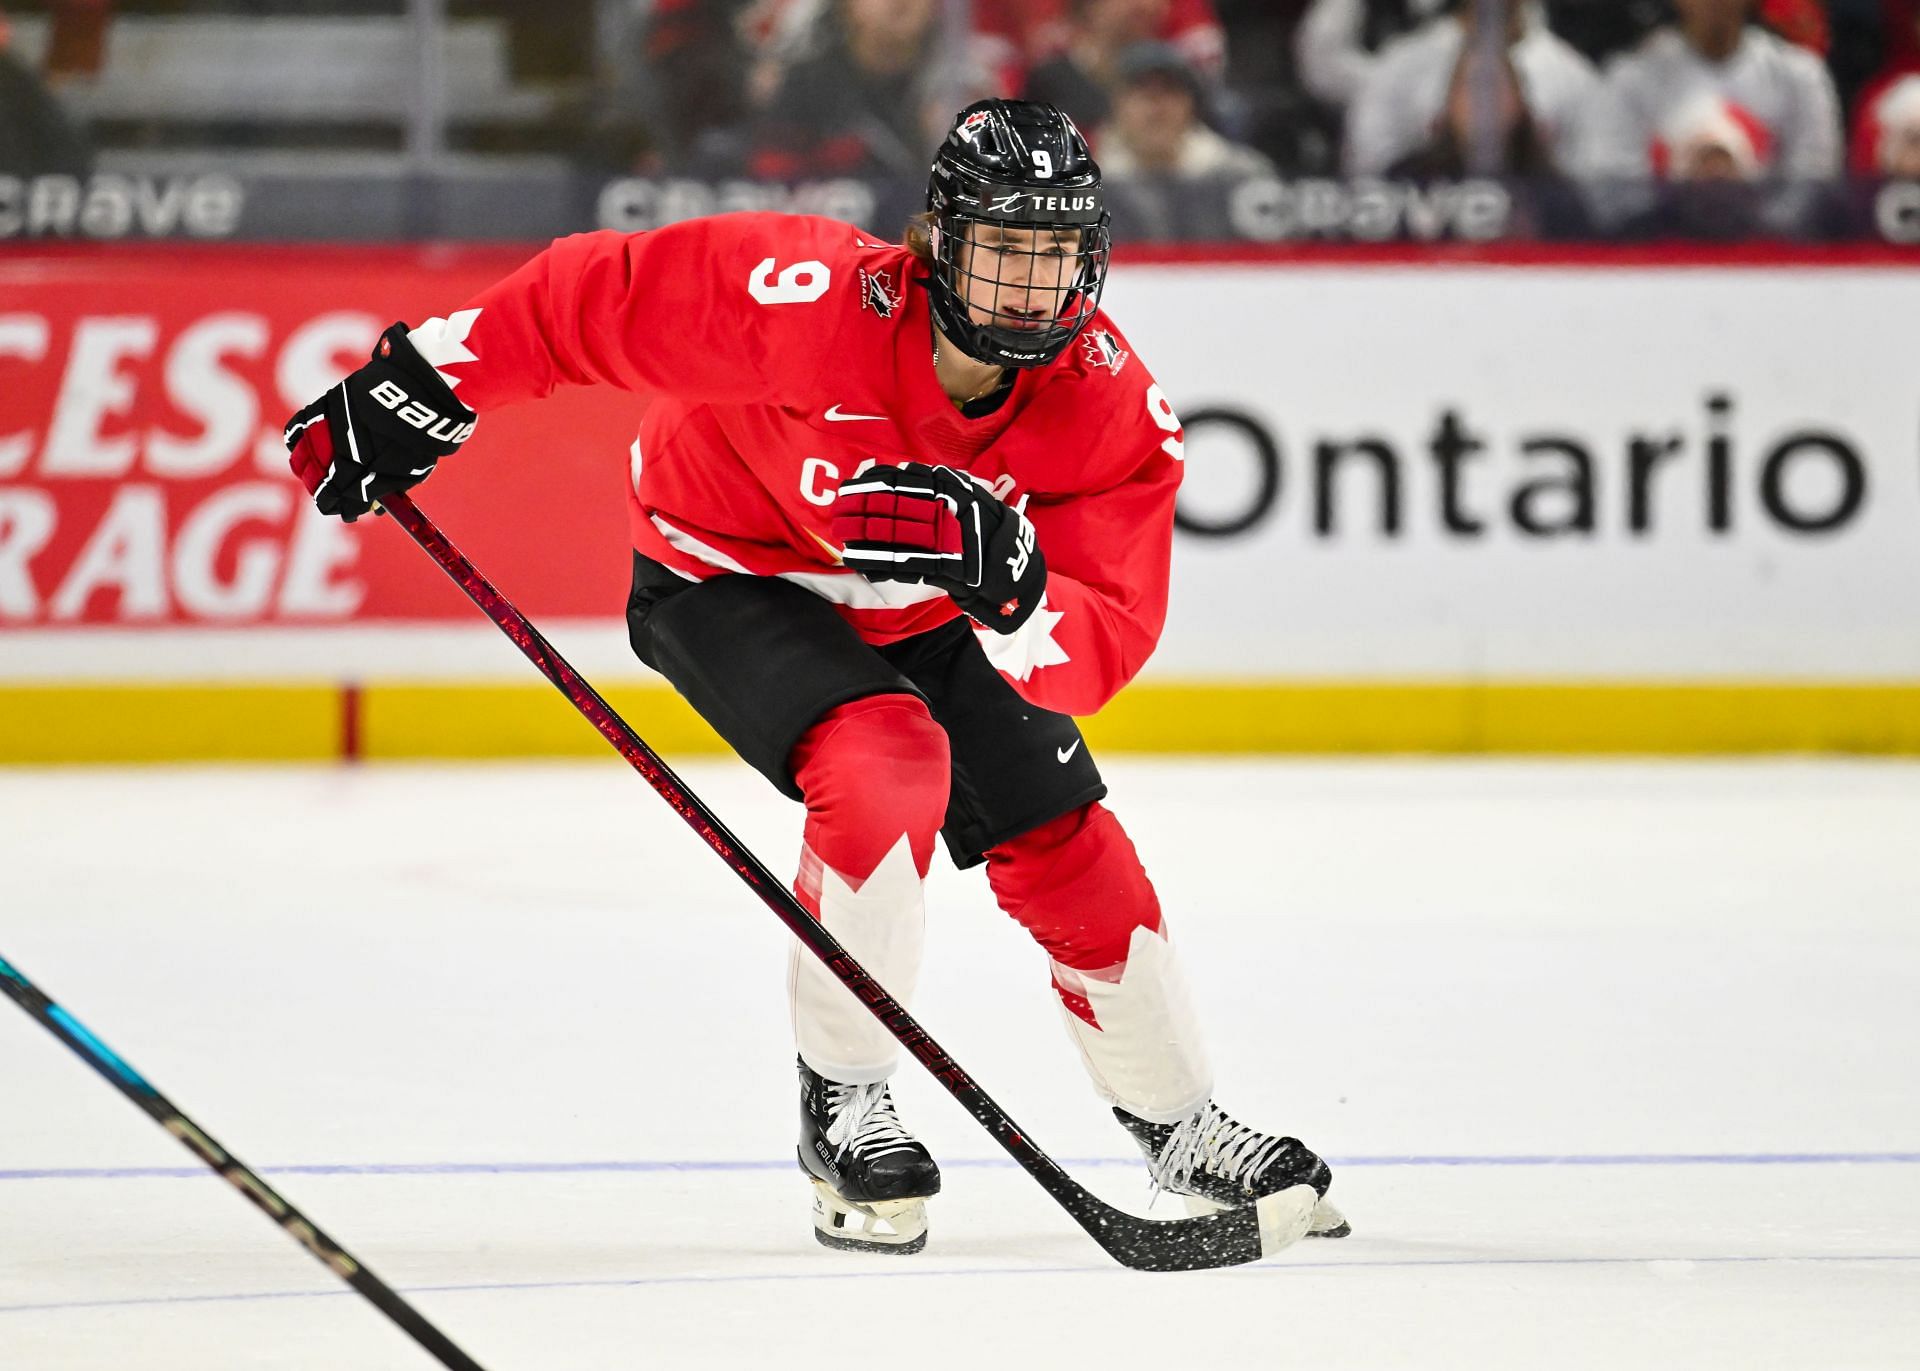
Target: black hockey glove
[
  {"x": 380, "y": 430},
  {"x": 935, "y": 525}
]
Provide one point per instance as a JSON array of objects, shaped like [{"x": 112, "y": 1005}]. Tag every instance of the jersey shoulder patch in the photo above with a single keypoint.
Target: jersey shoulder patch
[
  {"x": 1102, "y": 349},
  {"x": 1101, "y": 363},
  {"x": 883, "y": 288}
]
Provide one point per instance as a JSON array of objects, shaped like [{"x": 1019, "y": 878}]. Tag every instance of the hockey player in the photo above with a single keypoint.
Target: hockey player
[{"x": 899, "y": 513}]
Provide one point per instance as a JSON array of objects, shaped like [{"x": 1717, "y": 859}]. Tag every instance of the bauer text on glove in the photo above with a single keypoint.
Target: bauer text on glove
[{"x": 380, "y": 430}]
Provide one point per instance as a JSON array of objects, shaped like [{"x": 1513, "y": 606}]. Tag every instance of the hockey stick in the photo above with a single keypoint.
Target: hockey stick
[
  {"x": 135, "y": 1087},
  {"x": 1223, "y": 1239}
]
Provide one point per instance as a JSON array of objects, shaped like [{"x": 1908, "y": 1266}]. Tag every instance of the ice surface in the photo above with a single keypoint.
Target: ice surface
[{"x": 1616, "y": 1062}]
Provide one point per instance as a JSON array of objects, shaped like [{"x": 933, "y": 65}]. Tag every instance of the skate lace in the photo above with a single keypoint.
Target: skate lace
[
  {"x": 864, "y": 1122},
  {"x": 1212, "y": 1142}
]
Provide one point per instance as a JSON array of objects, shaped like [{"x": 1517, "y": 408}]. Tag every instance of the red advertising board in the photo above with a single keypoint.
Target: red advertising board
[
  {"x": 142, "y": 478},
  {"x": 142, "y": 392}
]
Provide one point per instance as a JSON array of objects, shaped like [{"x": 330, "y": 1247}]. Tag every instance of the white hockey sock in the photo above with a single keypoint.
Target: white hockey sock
[
  {"x": 882, "y": 924},
  {"x": 1147, "y": 1056}
]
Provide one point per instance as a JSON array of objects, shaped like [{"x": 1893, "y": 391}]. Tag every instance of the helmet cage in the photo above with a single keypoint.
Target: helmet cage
[{"x": 964, "y": 273}]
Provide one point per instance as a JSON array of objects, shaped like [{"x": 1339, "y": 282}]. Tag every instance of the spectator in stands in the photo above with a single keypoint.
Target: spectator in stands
[
  {"x": 36, "y": 137},
  {"x": 1903, "y": 61},
  {"x": 1082, "y": 75},
  {"x": 1338, "y": 41},
  {"x": 1413, "y": 115},
  {"x": 1889, "y": 134},
  {"x": 1710, "y": 138},
  {"x": 1168, "y": 173},
  {"x": 1715, "y": 50},
  {"x": 1015, "y": 37},
  {"x": 1776, "y": 93},
  {"x": 873, "y": 100},
  {"x": 676, "y": 89},
  {"x": 1260, "y": 102},
  {"x": 1158, "y": 126},
  {"x": 1713, "y": 159}
]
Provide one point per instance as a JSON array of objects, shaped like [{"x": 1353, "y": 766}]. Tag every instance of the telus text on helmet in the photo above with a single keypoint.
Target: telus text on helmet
[{"x": 1007, "y": 204}]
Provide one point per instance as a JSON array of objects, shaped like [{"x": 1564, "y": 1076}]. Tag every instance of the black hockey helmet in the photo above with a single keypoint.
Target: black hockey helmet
[{"x": 1023, "y": 165}]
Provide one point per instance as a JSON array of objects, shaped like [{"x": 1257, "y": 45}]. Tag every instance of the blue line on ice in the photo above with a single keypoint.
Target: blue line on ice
[{"x": 120, "y": 1173}]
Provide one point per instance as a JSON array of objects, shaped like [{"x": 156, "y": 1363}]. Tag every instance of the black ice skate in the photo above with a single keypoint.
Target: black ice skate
[
  {"x": 1213, "y": 1162},
  {"x": 871, "y": 1178}
]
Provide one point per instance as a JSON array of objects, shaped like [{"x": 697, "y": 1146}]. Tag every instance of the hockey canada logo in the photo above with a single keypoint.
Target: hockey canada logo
[
  {"x": 970, "y": 127},
  {"x": 877, "y": 293},
  {"x": 1104, "y": 351}
]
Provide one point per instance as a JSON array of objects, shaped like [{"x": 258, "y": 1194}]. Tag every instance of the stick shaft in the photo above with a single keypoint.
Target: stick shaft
[
  {"x": 330, "y": 1254},
  {"x": 1214, "y": 1240}
]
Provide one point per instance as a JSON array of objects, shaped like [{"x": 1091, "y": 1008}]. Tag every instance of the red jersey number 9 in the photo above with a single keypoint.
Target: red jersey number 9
[{"x": 800, "y": 284}]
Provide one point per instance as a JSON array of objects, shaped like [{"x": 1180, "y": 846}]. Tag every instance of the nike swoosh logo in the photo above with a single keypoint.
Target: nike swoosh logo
[
  {"x": 834, "y": 416},
  {"x": 1065, "y": 754}
]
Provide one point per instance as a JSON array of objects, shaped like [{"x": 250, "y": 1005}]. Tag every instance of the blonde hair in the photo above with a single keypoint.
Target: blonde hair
[{"x": 919, "y": 236}]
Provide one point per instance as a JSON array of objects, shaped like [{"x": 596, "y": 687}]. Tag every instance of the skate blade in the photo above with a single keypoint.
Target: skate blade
[
  {"x": 892, "y": 1227},
  {"x": 1326, "y": 1221},
  {"x": 1284, "y": 1216}
]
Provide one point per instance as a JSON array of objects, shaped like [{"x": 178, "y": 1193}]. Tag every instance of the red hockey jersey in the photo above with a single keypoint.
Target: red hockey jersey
[{"x": 788, "y": 353}]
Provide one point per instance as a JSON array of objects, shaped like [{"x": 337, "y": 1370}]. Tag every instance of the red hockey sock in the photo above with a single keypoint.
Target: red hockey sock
[
  {"x": 875, "y": 774},
  {"x": 1077, "y": 885},
  {"x": 872, "y": 770}
]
